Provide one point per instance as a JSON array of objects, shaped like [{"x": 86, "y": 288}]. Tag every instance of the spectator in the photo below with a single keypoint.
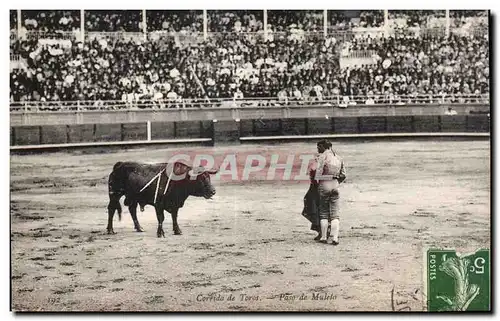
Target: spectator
[
  {"x": 13, "y": 19},
  {"x": 450, "y": 111},
  {"x": 238, "y": 94}
]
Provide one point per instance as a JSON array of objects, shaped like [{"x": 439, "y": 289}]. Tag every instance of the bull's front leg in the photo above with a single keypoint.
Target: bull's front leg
[
  {"x": 161, "y": 217},
  {"x": 177, "y": 230}
]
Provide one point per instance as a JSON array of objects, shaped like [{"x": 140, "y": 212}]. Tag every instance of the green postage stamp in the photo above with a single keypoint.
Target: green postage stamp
[{"x": 457, "y": 282}]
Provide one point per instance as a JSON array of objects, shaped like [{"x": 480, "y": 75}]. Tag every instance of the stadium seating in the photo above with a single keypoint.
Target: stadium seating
[
  {"x": 50, "y": 20},
  {"x": 235, "y": 21},
  {"x": 113, "y": 20},
  {"x": 295, "y": 61},
  {"x": 175, "y": 21}
]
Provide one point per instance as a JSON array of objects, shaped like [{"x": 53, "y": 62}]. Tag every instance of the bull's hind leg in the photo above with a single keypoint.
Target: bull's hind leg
[
  {"x": 114, "y": 204},
  {"x": 133, "y": 212},
  {"x": 177, "y": 230},
  {"x": 161, "y": 217}
]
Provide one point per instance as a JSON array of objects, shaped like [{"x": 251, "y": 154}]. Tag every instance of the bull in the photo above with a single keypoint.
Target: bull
[{"x": 164, "y": 186}]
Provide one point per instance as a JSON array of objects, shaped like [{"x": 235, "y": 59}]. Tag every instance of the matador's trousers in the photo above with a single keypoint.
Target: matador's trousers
[{"x": 328, "y": 203}]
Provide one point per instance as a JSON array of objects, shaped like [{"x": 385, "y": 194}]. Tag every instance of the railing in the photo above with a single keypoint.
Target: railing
[
  {"x": 15, "y": 62},
  {"x": 437, "y": 31},
  {"x": 30, "y": 35},
  {"x": 360, "y": 54},
  {"x": 334, "y": 101},
  {"x": 297, "y": 35},
  {"x": 339, "y": 35},
  {"x": 260, "y": 36},
  {"x": 475, "y": 31},
  {"x": 252, "y": 37},
  {"x": 181, "y": 37},
  {"x": 359, "y": 32},
  {"x": 118, "y": 35},
  {"x": 433, "y": 31}
]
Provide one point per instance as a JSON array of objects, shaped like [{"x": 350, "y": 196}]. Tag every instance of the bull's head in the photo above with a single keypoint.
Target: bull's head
[
  {"x": 200, "y": 182},
  {"x": 196, "y": 178}
]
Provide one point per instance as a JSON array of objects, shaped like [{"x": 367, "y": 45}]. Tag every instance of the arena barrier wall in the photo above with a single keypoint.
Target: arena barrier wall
[
  {"x": 234, "y": 132},
  {"x": 34, "y": 130}
]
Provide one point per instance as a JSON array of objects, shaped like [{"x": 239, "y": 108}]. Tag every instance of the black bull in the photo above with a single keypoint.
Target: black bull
[{"x": 128, "y": 178}]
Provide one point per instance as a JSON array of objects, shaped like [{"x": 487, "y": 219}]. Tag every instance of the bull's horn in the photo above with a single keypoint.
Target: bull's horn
[
  {"x": 212, "y": 171},
  {"x": 199, "y": 170},
  {"x": 196, "y": 171}
]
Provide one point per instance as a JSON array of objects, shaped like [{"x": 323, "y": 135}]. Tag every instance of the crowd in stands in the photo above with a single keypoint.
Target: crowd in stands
[
  {"x": 223, "y": 20},
  {"x": 50, "y": 20},
  {"x": 415, "y": 18},
  {"x": 477, "y": 18},
  {"x": 283, "y": 66},
  {"x": 373, "y": 18},
  {"x": 175, "y": 21},
  {"x": 341, "y": 20},
  {"x": 155, "y": 70},
  {"x": 235, "y": 21},
  {"x": 113, "y": 20},
  {"x": 282, "y": 20},
  {"x": 423, "y": 65}
]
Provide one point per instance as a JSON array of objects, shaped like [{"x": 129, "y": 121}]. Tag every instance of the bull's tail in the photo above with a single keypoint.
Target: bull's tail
[
  {"x": 118, "y": 208},
  {"x": 114, "y": 205},
  {"x": 115, "y": 192}
]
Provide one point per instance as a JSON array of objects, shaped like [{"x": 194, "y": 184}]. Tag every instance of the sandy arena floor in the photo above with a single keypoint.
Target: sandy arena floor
[{"x": 250, "y": 240}]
